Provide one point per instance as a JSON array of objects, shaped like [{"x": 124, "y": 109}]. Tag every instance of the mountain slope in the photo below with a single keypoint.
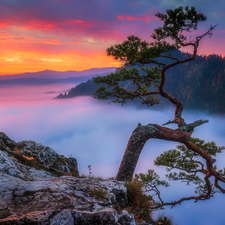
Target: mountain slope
[{"x": 198, "y": 84}]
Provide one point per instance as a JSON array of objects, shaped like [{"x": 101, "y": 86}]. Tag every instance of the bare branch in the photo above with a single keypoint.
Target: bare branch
[
  {"x": 201, "y": 197},
  {"x": 209, "y": 32},
  {"x": 190, "y": 127},
  {"x": 170, "y": 57},
  {"x": 169, "y": 122},
  {"x": 155, "y": 62},
  {"x": 218, "y": 186}
]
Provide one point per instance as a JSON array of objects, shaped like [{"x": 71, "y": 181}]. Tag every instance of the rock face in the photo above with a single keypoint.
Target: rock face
[
  {"x": 44, "y": 158},
  {"x": 56, "y": 199},
  {"x": 30, "y": 195}
]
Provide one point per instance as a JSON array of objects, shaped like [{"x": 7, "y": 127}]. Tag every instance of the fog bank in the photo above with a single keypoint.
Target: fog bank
[{"x": 96, "y": 134}]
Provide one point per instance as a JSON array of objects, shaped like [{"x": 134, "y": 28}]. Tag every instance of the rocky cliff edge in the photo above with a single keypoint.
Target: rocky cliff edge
[{"x": 38, "y": 186}]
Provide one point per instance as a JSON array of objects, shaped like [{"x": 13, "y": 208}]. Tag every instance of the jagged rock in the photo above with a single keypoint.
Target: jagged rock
[
  {"x": 11, "y": 166},
  {"x": 45, "y": 158},
  {"x": 43, "y": 154},
  {"x": 6, "y": 142},
  {"x": 127, "y": 218}
]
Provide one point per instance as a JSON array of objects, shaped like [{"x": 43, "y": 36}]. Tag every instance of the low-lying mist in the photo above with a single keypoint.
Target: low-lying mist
[{"x": 96, "y": 134}]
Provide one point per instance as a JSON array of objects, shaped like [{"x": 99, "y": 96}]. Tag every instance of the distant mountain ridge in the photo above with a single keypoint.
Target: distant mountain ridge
[
  {"x": 48, "y": 77},
  {"x": 46, "y": 74}
]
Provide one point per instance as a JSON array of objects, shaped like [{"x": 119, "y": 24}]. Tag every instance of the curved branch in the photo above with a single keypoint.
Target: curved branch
[
  {"x": 188, "y": 127},
  {"x": 179, "y": 107},
  {"x": 202, "y": 197},
  {"x": 154, "y": 189},
  {"x": 218, "y": 186},
  {"x": 170, "y": 57},
  {"x": 154, "y": 62},
  {"x": 137, "y": 141}
]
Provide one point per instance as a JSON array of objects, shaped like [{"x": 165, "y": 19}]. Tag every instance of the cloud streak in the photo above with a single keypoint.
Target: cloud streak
[{"x": 146, "y": 17}]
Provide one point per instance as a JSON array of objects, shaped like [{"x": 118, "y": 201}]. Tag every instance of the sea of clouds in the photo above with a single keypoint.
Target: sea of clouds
[{"x": 96, "y": 134}]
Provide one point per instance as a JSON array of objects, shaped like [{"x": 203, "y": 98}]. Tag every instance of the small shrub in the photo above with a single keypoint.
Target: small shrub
[
  {"x": 138, "y": 203},
  {"x": 99, "y": 193},
  {"x": 164, "y": 220},
  {"x": 32, "y": 163},
  {"x": 74, "y": 172},
  {"x": 83, "y": 176},
  {"x": 62, "y": 159}
]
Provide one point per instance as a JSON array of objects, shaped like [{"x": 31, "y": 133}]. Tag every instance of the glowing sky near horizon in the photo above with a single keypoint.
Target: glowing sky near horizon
[{"x": 73, "y": 35}]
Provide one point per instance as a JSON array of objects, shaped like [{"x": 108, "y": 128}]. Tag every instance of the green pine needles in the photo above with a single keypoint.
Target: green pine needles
[{"x": 190, "y": 165}]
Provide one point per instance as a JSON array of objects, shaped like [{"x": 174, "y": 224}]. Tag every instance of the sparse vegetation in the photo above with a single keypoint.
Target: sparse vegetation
[
  {"x": 164, "y": 220},
  {"x": 93, "y": 177},
  {"x": 138, "y": 203},
  {"x": 62, "y": 159},
  {"x": 99, "y": 193},
  {"x": 141, "y": 203},
  {"x": 74, "y": 172}
]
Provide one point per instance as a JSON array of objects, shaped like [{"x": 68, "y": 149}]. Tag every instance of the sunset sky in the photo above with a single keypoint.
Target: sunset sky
[{"x": 66, "y": 35}]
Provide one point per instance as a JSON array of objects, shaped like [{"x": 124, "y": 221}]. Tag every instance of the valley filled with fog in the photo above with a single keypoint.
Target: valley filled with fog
[{"x": 96, "y": 134}]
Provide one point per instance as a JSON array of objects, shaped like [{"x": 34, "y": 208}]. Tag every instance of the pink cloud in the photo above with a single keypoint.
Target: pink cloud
[
  {"x": 3, "y": 24},
  {"x": 75, "y": 41},
  {"x": 40, "y": 25},
  {"x": 120, "y": 17},
  {"x": 146, "y": 17},
  {"x": 72, "y": 21},
  {"x": 154, "y": 10},
  {"x": 110, "y": 31}
]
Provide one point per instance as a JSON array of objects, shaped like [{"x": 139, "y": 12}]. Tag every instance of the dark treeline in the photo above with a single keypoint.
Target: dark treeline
[{"x": 199, "y": 84}]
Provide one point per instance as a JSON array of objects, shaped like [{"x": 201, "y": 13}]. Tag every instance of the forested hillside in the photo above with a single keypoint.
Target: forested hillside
[{"x": 199, "y": 84}]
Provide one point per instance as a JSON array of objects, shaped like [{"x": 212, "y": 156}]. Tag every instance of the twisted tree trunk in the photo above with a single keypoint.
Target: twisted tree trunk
[{"x": 143, "y": 133}]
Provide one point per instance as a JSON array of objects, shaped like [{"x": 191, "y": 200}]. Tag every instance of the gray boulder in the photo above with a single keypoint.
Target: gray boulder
[
  {"x": 6, "y": 142},
  {"x": 45, "y": 158}
]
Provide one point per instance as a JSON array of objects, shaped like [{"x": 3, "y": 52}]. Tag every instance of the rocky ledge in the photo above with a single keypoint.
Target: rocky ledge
[{"x": 38, "y": 186}]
